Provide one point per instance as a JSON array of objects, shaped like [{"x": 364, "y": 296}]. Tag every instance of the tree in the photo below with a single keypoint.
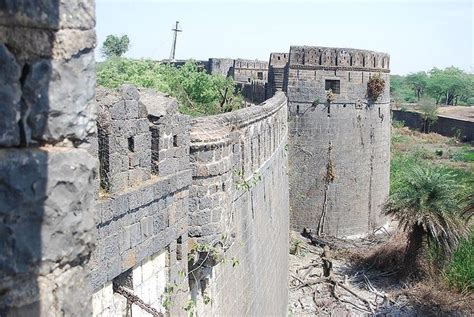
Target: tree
[
  {"x": 418, "y": 82},
  {"x": 428, "y": 204},
  {"x": 429, "y": 113},
  {"x": 115, "y": 46},
  {"x": 449, "y": 85}
]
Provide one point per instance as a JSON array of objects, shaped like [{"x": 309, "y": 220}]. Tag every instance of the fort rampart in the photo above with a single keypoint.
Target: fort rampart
[
  {"x": 120, "y": 203},
  {"x": 171, "y": 188},
  {"x": 340, "y": 149}
]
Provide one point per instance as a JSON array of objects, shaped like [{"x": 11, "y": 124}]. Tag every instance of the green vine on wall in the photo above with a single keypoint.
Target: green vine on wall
[{"x": 246, "y": 184}]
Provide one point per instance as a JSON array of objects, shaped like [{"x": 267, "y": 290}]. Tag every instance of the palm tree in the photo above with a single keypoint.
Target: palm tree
[{"x": 429, "y": 206}]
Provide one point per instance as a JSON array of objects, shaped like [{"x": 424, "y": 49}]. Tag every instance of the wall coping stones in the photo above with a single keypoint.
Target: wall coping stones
[
  {"x": 331, "y": 58},
  {"x": 216, "y": 128}
]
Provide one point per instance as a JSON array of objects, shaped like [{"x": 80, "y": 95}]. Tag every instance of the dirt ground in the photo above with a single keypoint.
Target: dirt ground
[
  {"x": 358, "y": 290},
  {"x": 458, "y": 112}
]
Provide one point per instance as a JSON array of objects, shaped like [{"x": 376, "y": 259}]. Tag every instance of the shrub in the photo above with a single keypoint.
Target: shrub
[
  {"x": 427, "y": 203},
  {"x": 465, "y": 154},
  {"x": 429, "y": 113},
  {"x": 375, "y": 87},
  {"x": 398, "y": 124},
  {"x": 197, "y": 92},
  {"x": 460, "y": 271}
]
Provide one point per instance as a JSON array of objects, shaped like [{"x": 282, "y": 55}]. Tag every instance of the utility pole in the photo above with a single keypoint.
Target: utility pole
[{"x": 175, "y": 36}]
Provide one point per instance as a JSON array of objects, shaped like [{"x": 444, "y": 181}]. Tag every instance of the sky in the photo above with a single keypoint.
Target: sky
[{"x": 418, "y": 34}]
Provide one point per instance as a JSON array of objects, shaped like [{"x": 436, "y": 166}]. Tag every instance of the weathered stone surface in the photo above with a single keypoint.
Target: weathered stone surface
[
  {"x": 48, "y": 14},
  {"x": 57, "y": 105},
  {"x": 44, "y": 193},
  {"x": 10, "y": 95},
  {"x": 243, "y": 197},
  {"x": 28, "y": 44},
  {"x": 158, "y": 104},
  {"x": 348, "y": 139}
]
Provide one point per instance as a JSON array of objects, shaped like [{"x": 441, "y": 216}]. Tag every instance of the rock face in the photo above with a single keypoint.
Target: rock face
[
  {"x": 339, "y": 150},
  {"x": 47, "y": 179}
]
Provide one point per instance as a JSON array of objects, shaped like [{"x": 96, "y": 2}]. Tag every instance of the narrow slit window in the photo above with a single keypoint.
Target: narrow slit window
[
  {"x": 334, "y": 85},
  {"x": 179, "y": 248},
  {"x": 131, "y": 144}
]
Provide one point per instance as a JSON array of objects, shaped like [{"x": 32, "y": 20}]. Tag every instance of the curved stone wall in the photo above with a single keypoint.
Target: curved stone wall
[
  {"x": 239, "y": 192},
  {"x": 340, "y": 151}
]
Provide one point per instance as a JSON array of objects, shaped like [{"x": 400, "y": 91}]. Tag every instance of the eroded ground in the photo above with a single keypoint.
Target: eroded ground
[{"x": 358, "y": 290}]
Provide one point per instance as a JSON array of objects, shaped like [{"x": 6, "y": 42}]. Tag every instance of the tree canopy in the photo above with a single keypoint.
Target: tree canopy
[
  {"x": 115, "y": 46},
  {"x": 450, "y": 86}
]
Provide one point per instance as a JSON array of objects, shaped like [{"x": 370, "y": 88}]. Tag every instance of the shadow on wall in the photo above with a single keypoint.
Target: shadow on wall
[
  {"x": 45, "y": 191},
  {"x": 24, "y": 98}
]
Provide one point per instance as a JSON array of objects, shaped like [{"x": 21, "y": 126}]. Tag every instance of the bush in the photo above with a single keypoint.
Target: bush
[
  {"x": 398, "y": 124},
  {"x": 460, "y": 271},
  {"x": 466, "y": 154},
  {"x": 197, "y": 92}
]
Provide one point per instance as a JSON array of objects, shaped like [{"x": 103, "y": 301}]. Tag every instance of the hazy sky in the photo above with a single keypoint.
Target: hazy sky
[{"x": 418, "y": 34}]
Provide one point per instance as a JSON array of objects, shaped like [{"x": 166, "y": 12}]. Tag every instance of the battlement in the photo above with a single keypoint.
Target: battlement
[
  {"x": 278, "y": 60},
  {"x": 250, "y": 64},
  {"x": 329, "y": 58}
]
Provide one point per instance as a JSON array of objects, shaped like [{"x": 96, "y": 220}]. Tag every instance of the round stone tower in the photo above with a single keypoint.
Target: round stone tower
[{"x": 339, "y": 141}]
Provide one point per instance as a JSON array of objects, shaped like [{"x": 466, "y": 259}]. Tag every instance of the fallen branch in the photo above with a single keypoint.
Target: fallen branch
[{"x": 367, "y": 302}]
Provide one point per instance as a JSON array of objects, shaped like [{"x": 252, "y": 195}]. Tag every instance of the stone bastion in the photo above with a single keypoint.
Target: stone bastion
[{"x": 339, "y": 149}]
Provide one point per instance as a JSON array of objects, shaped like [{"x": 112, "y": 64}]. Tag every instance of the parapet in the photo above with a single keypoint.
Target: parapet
[
  {"x": 140, "y": 133},
  {"x": 278, "y": 60},
  {"x": 328, "y": 58},
  {"x": 124, "y": 138},
  {"x": 250, "y": 64}
]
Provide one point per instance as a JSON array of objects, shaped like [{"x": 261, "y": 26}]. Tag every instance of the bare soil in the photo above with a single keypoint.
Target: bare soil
[{"x": 364, "y": 281}]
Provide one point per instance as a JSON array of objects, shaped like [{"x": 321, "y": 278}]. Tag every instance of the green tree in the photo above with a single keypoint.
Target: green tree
[
  {"x": 449, "y": 85},
  {"x": 428, "y": 205},
  {"x": 418, "y": 82},
  {"x": 115, "y": 46},
  {"x": 400, "y": 90},
  {"x": 429, "y": 112}
]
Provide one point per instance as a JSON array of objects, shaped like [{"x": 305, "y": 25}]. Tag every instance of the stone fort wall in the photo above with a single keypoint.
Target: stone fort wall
[
  {"x": 168, "y": 185},
  {"x": 142, "y": 204},
  {"x": 339, "y": 171},
  {"x": 103, "y": 201},
  {"x": 447, "y": 126},
  {"x": 239, "y": 201}
]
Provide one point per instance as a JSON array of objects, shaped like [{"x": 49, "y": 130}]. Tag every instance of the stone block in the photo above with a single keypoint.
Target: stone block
[
  {"x": 129, "y": 92},
  {"x": 58, "y": 106},
  {"x": 118, "y": 111},
  {"x": 135, "y": 234},
  {"x": 45, "y": 193},
  {"x": 131, "y": 108},
  {"x": 125, "y": 239},
  {"x": 146, "y": 227},
  {"x": 10, "y": 95},
  {"x": 48, "y": 14}
]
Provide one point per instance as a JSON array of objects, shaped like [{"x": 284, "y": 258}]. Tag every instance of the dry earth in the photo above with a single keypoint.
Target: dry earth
[{"x": 353, "y": 290}]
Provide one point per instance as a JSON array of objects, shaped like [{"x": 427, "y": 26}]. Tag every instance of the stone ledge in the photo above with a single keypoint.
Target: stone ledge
[{"x": 218, "y": 127}]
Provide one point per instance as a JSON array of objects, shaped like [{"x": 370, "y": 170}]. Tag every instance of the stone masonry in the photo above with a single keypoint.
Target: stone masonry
[
  {"x": 340, "y": 150},
  {"x": 143, "y": 199},
  {"x": 47, "y": 114},
  {"x": 119, "y": 204},
  {"x": 239, "y": 201}
]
